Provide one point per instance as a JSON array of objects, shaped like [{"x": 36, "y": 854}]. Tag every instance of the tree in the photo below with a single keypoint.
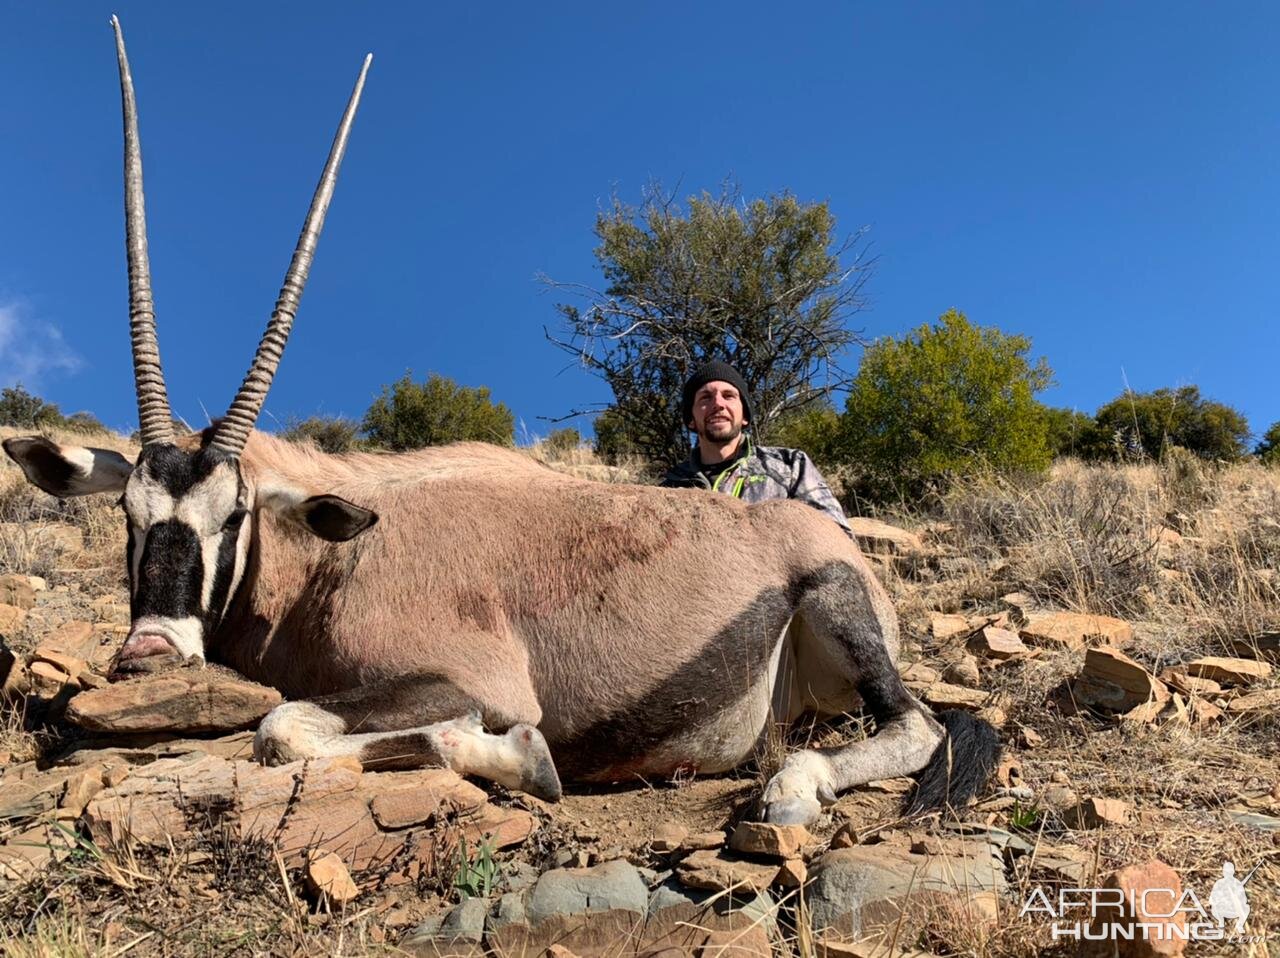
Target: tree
[
  {"x": 762, "y": 284},
  {"x": 410, "y": 415},
  {"x": 1268, "y": 448},
  {"x": 334, "y": 434},
  {"x": 1149, "y": 423},
  {"x": 25, "y": 410},
  {"x": 943, "y": 401},
  {"x": 1069, "y": 431}
]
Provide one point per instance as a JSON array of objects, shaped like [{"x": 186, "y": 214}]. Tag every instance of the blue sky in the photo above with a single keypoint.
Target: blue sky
[{"x": 1100, "y": 177}]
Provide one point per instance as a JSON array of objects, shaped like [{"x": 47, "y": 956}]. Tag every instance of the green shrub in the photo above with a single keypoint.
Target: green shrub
[
  {"x": 24, "y": 410},
  {"x": 943, "y": 401},
  {"x": 560, "y": 442},
  {"x": 1268, "y": 448},
  {"x": 410, "y": 415},
  {"x": 1068, "y": 431},
  {"x": 615, "y": 438},
  {"x": 333, "y": 434},
  {"x": 1146, "y": 424}
]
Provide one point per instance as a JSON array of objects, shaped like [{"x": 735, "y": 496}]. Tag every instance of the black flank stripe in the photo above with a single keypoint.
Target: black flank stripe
[{"x": 693, "y": 695}]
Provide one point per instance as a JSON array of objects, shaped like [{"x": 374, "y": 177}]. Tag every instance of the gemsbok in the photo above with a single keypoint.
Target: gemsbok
[{"x": 467, "y": 606}]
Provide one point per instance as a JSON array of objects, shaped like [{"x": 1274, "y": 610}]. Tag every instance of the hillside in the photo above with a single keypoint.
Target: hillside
[{"x": 1119, "y": 624}]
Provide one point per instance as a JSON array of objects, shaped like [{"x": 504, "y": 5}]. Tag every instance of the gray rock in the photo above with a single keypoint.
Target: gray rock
[
  {"x": 1003, "y": 840},
  {"x": 671, "y": 894},
  {"x": 440, "y": 934},
  {"x": 466, "y": 922},
  {"x": 518, "y": 876},
  {"x": 428, "y": 930},
  {"x": 614, "y": 885},
  {"x": 652, "y": 877},
  {"x": 1255, "y": 820},
  {"x": 510, "y": 910},
  {"x": 864, "y": 886}
]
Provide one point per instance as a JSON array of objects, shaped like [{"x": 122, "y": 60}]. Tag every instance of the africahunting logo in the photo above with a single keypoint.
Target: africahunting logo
[{"x": 1154, "y": 914}]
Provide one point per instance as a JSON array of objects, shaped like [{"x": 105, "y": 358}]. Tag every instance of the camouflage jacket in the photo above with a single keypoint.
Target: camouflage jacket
[{"x": 765, "y": 472}]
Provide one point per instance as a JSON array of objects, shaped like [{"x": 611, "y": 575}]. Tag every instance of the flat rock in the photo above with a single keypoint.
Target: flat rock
[
  {"x": 1229, "y": 671},
  {"x": 1065, "y": 864},
  {"x": 420, "y": 798},
  {"x": 772, "y": 841},
  {"x": 854, "y": 891},
  {"x": 686, "y": 919},
  {"x": 299, "y": 806},
  {"x": 1190, "y": 684},
  {"x": 185, "y": 701},
  {"x": 1099, "y": 812},
  {"x": 702, "y": 840},
  {"x": 327, "y": 877},
  {"x": 16, "y": 590},
  {"x": 963, "y": 671},
  {"x": 880, "y": 537},
  {"x": 1074, "y": 630},
  {"x": 586, "y": 910},
  {"x": 1116, "y": 683},
  {"x": 1267, "y": 700},
  {"x": 947, "y": 625},
  {"x": 792, "y": 874},
  {"x": 945, "y": 695},
  {"x": 1265, "y": 647},
  {"x": 1266, "y": 823},
  {"x": 26, "y": 854},
  {"x": 919, "y": 675},
  {"x": 668, "y": 837},
  {"x": 455, "y": 934},
  {"x": 33, "y": 793},
  {"x": 993, "y": 642},
  {"x": 143, "y": 749},
  {"x": 74, "y": 638},
  {"x": 719, "y": 871},
  {"x": 1151, "y": 891}
]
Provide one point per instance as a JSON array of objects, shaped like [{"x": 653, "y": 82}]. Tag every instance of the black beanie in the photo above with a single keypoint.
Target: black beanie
[{"x": 710, "y": 373}]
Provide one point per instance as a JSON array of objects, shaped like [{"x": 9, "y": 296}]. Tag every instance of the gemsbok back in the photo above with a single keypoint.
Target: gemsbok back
[{"x": 466, "y": 606}]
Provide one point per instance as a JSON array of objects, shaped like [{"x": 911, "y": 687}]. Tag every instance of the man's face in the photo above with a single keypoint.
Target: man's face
[{"x": 717, "y": 412}]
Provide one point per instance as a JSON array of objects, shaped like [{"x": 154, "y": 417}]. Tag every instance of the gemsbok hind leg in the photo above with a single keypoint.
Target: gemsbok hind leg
[
  {"x": 414, "y": 722},
  {"x": 854, "y": 626}
]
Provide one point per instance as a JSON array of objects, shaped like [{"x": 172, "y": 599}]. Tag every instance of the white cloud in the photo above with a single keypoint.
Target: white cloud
[{"x": 31, "y": 347}]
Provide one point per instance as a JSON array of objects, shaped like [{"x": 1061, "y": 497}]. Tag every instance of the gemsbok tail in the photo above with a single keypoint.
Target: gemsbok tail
[{"x": 960, "y": 766}]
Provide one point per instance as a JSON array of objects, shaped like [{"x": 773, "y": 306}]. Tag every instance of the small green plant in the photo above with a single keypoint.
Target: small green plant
[
  {"x": 474, "y": 876},
  {"x": 1024, "y": 817}
]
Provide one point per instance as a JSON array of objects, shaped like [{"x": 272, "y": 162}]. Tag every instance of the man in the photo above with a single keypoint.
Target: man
[{"x": 715, "y": 405}]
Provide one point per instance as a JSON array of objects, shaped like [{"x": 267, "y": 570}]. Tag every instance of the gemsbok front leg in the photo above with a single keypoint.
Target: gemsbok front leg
[{"x": 414, "y": 722}]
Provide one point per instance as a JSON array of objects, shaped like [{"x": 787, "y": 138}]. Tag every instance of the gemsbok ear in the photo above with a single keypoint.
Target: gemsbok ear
[
  {"x": 333, "y": 518},
  {"x": 68, "y": 470}
]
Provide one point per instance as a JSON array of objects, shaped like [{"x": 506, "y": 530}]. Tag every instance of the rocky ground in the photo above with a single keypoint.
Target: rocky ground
[{"x": 1114, "y": 624}]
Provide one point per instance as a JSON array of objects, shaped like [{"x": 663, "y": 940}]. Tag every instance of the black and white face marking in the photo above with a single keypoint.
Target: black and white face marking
[{"x": 188, "y": 544}]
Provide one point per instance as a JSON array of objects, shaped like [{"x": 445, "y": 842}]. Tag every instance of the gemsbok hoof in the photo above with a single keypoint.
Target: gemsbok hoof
[
  {"x": 538, "y": 777},
  {"x": 793, "y": 811}
]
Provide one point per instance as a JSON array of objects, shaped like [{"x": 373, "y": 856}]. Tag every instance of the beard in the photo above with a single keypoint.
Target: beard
[{"x": 722, "y": 431}]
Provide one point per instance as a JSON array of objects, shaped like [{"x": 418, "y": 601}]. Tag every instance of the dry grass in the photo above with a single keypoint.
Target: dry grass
[
  {"x": 1177, "y": 543},
  {"x": 1188, "y": 553}
]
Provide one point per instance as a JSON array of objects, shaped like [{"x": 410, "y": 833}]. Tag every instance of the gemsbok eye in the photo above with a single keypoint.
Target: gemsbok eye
[{"x": 234, "y": 520}]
